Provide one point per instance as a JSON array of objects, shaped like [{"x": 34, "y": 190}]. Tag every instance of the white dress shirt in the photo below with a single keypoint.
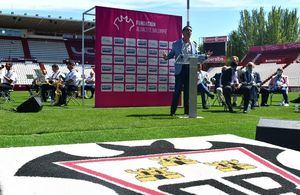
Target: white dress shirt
[
  {"x": 72, "y": 78},
  {"x": 9, "y": 74}
]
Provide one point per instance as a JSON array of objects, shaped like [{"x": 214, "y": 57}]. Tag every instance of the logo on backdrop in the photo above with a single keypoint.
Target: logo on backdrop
[{"x": 119, "y": 20}]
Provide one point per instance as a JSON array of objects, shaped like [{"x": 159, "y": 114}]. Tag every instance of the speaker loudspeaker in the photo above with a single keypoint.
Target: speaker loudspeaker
[
  {"x": 33, "y": 104},
  {"x": 285, "y": 133}
]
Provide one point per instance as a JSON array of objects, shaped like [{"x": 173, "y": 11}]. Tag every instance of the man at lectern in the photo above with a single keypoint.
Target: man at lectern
[{"x": 183, "y": 46}]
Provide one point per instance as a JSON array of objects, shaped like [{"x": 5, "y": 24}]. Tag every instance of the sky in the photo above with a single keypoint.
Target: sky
[{"x": 207, "y": 17}]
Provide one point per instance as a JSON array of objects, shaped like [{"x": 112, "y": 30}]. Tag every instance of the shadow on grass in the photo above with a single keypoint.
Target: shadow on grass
[
  {"x": 147, "y": 115},
  {"x": 221, "y": 111},
  {"x": 153, "y": 116},
  {"x": 8, "y": 109}
]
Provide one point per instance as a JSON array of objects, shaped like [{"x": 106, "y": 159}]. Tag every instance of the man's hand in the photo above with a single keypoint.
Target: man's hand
[
  {"x": 165, "y": 57},
  {"x": 236, "y": 86}
]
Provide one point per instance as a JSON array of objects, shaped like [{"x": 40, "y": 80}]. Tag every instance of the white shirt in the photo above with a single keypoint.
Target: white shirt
[
  {"x": 9, "y": 74},
  {"x": 74, "y": 76},
  {"x": 202, "y": 77},
  {"x": 187, "y": 48},
  {"x": 57, "y": 76},
  {"x": 234, "y": 78},
  {"x": 88, "y": 79}
]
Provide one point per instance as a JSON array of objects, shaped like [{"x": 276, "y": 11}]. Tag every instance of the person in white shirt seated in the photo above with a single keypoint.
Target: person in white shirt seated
[
  {"x": 90, "y": 83},
  {"x": 278, "y": 84},
  {"x": 71, "y": 82},
  {"x": 8, "y": 78},
  {"x": 202, "y": 86},
  {"x": 51, "y": 83}
]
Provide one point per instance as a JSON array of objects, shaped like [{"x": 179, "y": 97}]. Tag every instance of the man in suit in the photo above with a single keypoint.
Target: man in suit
[
  {"x": 278, "y": 84},
  {"x": 252, "y": 80},
  {"x": 231, "y": 84},
  {"x": 183, "y": 46}
]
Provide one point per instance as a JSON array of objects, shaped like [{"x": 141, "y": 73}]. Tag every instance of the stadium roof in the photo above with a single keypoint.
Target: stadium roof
[{"x": 43, "y": 24}]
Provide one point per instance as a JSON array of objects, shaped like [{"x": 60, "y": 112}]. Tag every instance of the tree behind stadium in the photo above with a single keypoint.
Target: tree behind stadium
[{"x": 255, "y": 28}]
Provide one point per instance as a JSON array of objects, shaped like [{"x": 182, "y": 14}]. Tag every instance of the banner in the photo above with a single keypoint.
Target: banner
[
  {"x": 287, "y": 46},
  {"x": 214, "y": 39},
  {"x": 216, "y": 59},
  {"x": 130, "y": 70}
]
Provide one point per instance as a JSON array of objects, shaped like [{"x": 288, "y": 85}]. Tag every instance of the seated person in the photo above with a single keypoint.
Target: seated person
[
  {"x": 277, "y": 84},
  {"x": 8, "y": 78},
  {"x": 202, "y": 86},
  {"x": 232, "y": 85},
  {"x": 90, "y": 83},
  {"x": 252, "y": 80},
  {"x": 33, "y": 87},
  {"x": 70, "y": 83},
  {"x": 216, "y": 80},
  {"x": 40, "y": 79},
  {"x": 51, "y": 82}
]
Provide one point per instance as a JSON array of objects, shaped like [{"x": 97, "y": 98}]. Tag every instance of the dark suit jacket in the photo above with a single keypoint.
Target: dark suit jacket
[
  {"x": 246, "y": 79},
  {"x": 226, "y": 77},
  {"x": 217, "y": 77}
]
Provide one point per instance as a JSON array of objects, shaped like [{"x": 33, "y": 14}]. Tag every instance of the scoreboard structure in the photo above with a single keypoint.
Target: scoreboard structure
[{"x": 218, "y": 45}]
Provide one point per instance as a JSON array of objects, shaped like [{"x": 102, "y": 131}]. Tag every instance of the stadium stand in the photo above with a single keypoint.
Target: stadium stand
[
  {"x": 11, "y": 48},
  {"x": 266, "y": 70},
  {"x": 48, "y": 50},
  {"x": 270, "y": 57},
  {"x": 293, "y": 71},
  {"x": 213, "y": 70}
]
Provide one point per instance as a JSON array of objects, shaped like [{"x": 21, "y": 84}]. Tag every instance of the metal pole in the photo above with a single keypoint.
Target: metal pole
[
  {"x": 188, "y": 13},
  {"x": 82, "y": 59}
]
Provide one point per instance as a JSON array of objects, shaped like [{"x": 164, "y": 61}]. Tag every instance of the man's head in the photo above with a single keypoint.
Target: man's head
[
  {"x": 187, "y": 32},
  {"x": 234, "y": 62},
  {"x": 55, "y": 67},
  {"x": 70, "y": 64},
  {"x": 223, "y": 68},
  {"x": 279, "y": 71},
  {"x": 235, "y": 59},
  {"x": 250, "y": 66},
  {"x": 8, "y": 65}
]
